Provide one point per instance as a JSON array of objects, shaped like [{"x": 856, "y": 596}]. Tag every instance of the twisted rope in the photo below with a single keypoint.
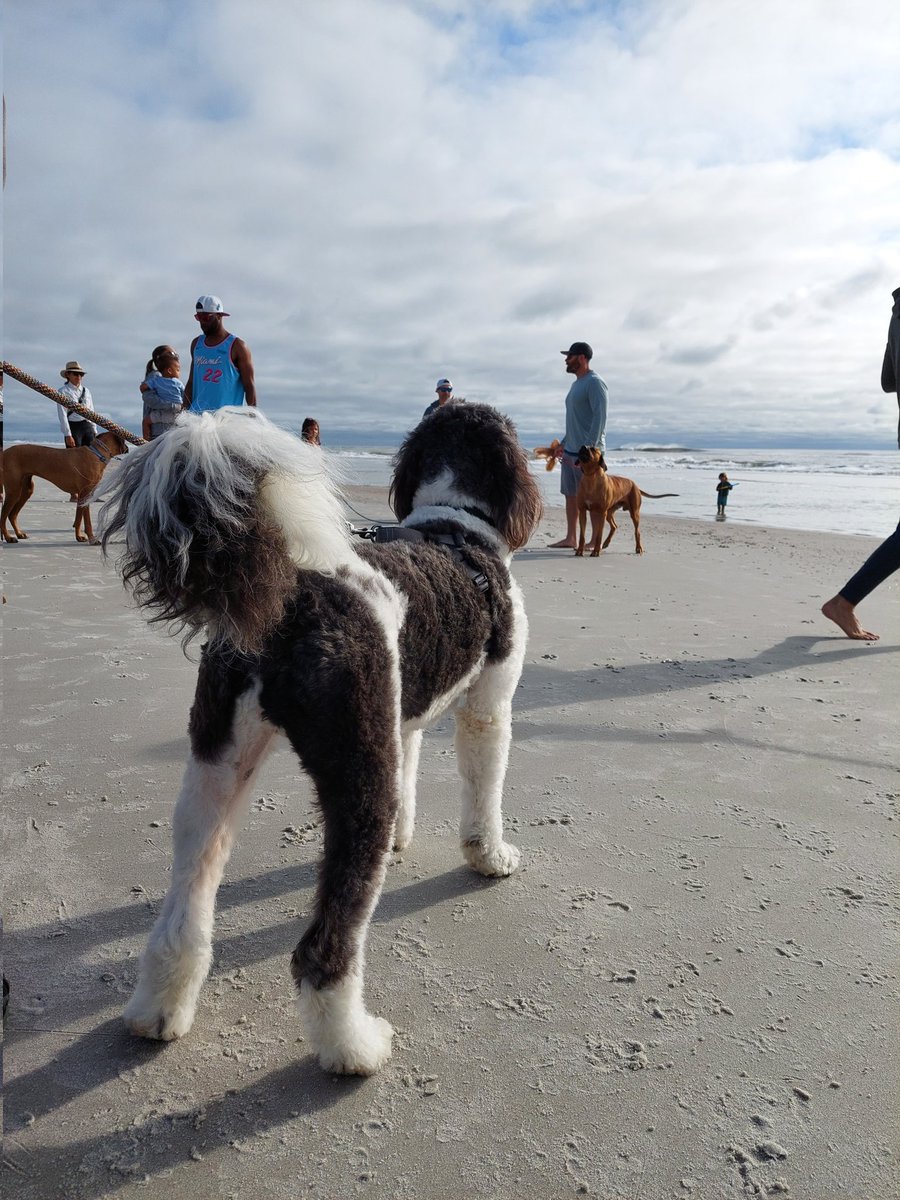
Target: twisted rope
[{"x": 52, "y": 394}]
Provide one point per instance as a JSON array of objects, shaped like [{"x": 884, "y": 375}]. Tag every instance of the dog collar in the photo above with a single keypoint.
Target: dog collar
[
  {"x": 104, "y": 458},
  {"x": 479, "y": 513}
]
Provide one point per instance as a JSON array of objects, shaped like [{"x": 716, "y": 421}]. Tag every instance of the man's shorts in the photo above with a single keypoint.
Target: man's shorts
[{"x": 569, "y": 478}]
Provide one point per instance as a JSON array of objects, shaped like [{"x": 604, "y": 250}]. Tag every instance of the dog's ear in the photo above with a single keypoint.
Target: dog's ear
[
  {"x": 407, "y": 476},
  {"x": 519, "y": 521}
]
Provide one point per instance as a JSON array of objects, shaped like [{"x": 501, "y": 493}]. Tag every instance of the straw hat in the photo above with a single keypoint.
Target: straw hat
[{"x": 72, "y": 368}]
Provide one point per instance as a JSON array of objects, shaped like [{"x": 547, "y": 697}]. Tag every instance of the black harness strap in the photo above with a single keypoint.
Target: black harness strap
[{"x": 455, "y": 543}]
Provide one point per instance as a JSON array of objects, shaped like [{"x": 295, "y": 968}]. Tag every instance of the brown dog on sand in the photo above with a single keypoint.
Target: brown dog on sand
[
  {"x": 600, "y": 494},
  {"x": 74, "y": 470}
]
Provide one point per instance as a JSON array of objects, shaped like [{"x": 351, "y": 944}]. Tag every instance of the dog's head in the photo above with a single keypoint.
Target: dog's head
[
  {"x": 591, "y": 460},
  {"x": 468, "y": 455},
  {"x": 114, "y": 443}
]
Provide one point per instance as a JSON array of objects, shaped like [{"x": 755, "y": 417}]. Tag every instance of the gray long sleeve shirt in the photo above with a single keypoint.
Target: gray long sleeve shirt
[{"x": 586, "y": 413}]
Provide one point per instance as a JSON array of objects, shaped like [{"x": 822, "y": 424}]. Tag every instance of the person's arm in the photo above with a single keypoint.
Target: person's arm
[
  {"x": 88, "y": 401},
  {"x": 242, "y": 359},
  {"x": 63, "y": 414},
  {"x": 597, "y": 396},
  {"x": 189, "y": 386},
  {"x": 64, "y": 423},
  {"x": 888, "y": 374}
]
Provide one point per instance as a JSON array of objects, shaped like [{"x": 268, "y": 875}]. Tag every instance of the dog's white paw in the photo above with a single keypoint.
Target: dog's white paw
[
  {"x": 402, "y": 837},
  {"x": 495, "y": 861},
  {"x": 362, "y": 1052},
  {"x": 149, "y": 1018}
]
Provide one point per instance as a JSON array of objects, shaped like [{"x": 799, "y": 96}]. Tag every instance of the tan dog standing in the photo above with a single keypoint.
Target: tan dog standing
[
  {"x": 600, "y": 494},
  {"x": 74, "y": 470}
]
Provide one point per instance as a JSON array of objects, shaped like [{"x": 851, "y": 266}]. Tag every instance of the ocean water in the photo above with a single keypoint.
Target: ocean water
[{"x": 828, "y": 491}]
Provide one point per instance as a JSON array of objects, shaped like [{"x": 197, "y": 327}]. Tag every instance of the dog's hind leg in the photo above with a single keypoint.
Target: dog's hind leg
[
  {"x": 611, "y": 522},
  {"x": 406, "y": 812},
  {"x": 635, "y": 510},
  {"x": 178, "y": 954},
  {"x": 349, "y": 742},
  {"x": 357, "y": 792}
]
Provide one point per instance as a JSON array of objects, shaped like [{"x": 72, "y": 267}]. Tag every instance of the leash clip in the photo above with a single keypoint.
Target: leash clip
[{"x": 368, "y": 533}]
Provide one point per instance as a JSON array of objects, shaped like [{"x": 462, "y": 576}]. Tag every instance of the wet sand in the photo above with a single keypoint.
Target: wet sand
[{"x": 689, "y": 988}]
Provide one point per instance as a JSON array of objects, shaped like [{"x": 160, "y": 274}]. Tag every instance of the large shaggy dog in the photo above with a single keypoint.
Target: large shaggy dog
[{"x": 349, "y": 649}]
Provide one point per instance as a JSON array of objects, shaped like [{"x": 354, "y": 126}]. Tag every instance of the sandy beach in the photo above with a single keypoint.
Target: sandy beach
[{"x": 688, "y": 990}]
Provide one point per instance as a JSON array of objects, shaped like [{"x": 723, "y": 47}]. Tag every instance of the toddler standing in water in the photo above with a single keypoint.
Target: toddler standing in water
[
  {"x": 723, "y": 487},
  {"x": 163, "y": 393}
]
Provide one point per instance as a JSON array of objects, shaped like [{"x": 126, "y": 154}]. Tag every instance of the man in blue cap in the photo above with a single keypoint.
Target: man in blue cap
[{"x": 585, "y": 426}]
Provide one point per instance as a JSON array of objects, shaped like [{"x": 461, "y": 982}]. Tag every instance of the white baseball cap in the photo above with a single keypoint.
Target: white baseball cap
[
  {"x": 211, "y": 304},
  {"x": 443, "y": 383}
]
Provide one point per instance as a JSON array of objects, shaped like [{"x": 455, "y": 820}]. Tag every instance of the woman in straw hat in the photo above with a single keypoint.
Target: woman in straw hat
[{"x": 77, "y": 430}]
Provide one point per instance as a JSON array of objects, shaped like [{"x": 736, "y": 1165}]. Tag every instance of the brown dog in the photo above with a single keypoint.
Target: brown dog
[
  {"x": 75, "y": 470},
  {"x": 600, "y": 494}
]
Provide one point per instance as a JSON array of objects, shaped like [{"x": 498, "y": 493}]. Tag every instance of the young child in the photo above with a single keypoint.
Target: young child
[
  {"x": 723, "y": 487},
  {"x": 163, "y": 393}
]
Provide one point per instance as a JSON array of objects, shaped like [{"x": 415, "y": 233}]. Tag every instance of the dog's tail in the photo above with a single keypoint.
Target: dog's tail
[
  {"x": 218, "y": 515},
  {"x": 656, "y": 495}
]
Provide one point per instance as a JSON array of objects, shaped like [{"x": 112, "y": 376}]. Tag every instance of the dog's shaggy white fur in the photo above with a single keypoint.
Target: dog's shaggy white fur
[{"x": 234, "y": 528}]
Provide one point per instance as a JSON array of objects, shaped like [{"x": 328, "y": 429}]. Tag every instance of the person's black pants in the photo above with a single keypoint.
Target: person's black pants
[
  {"x": 882, "y": 562},
  {"x": 82, "y": 432}
]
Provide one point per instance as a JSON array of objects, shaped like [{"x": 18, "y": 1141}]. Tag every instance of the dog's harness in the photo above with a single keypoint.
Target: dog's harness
[{"x": 380, "y": 535}]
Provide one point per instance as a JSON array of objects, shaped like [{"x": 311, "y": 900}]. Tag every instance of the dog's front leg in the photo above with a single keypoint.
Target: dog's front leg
[
  {"x": 178, "y": 954},
  {"x": 83, "y": 523},
  {"x": 406, "y": 812},
  {"x": 598, "y": 522},
  {"x": 483, "y": 735},
  {"x": 582, "y": 524}
]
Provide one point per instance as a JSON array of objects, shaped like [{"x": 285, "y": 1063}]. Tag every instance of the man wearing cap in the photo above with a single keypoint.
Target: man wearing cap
[
  {"x": 76, "y": 429},
  {"x": 585, "y": 426},
  {"x": 221, "y": 366},
  {"x": 444, "y": 391}
]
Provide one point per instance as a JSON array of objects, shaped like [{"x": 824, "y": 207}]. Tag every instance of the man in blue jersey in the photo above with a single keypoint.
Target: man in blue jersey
[
  {"x": 585, "y": 426},
  {"x": 221, "y": 365}
]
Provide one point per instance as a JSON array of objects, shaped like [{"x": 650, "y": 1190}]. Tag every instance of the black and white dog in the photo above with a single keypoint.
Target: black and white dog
[{"x": 234, "y": 527}]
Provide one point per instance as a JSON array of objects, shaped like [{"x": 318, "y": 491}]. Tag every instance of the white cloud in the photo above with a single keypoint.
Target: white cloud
[{"x": 387, "y": 190}]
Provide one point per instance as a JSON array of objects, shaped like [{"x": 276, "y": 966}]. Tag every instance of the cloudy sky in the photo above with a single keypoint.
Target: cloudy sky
[{"x": 385, "y": 191}]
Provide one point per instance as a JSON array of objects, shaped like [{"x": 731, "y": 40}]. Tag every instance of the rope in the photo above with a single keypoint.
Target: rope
[{"x": 52, "y": 394}]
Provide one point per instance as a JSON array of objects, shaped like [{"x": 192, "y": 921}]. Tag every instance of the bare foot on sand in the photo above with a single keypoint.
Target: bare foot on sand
[
  {"x": 843, "y": 613},
  {"x": 563, "y": 545}
]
